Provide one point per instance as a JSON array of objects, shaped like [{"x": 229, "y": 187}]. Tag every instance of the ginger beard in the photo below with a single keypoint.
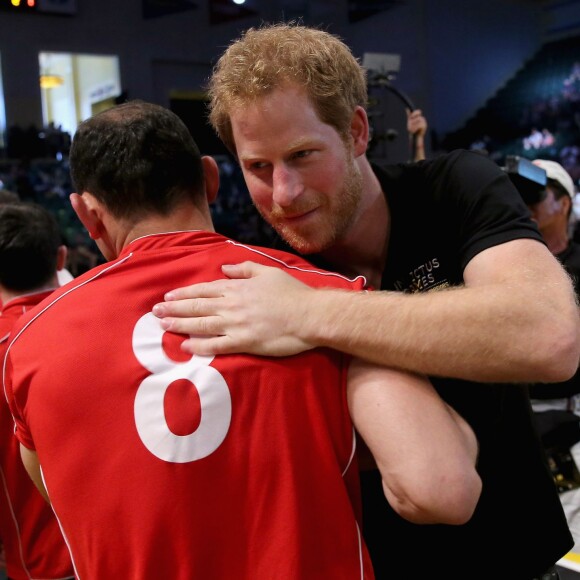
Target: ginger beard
[{"x": 334, "y": 214}]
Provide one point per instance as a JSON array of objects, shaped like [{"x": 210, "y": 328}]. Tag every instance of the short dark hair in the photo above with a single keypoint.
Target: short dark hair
[
  {"x": 137, "y": 158},
  {"x": 29, "y": 242}
]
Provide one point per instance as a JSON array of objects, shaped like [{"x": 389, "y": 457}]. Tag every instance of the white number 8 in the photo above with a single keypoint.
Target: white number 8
[{"x": 214, "y": 396}]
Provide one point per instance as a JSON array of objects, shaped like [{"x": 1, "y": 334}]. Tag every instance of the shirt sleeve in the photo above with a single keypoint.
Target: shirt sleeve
[
  {"x": 484, "y": 202},
  {"x": 21, "y": 430}
]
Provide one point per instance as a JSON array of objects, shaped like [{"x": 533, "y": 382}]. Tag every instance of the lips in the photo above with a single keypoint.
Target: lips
[{"x": 296, "y": 216}]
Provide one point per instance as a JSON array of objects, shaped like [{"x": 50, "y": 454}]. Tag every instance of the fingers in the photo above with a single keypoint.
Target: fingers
[
  {"x": 244, "y": 270},
  {"x": 216, "y": 288},
  {"x": 208, "y": 346},
  {"x": 193, "y": 307},
  {"x": 203, "y": 327},
  {"x": 213, "y": 289}
]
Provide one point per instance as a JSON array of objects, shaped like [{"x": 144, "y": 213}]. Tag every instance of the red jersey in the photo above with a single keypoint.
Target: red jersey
[
  {"x": 33, "y": 544},
  {"x": 160, "y": 464}
]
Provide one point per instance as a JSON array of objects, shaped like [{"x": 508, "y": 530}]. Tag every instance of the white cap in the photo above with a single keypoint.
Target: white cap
[{"x": 556, "y": 172}]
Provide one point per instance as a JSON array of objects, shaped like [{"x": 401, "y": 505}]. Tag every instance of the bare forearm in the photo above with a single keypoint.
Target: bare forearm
[
  {"x": 419, "y": 150},
  {"x": 464, "y": 333}
]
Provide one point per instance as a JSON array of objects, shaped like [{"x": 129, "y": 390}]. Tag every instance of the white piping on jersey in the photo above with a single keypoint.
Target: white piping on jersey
[
  {"x": 159, "y": 234},
  {"x": 278, "y": 261},
  {"x": 65, "y": 538},
  {"x": 360, "y": 556},
  {"x": 23, "y": 561},
  {"x": 353, "y": 451},
  {"x": 264, "y": 254}
]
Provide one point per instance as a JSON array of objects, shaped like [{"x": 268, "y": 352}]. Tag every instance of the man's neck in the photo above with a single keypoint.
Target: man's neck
[
  {"x": 363, "y": 250},
  {"x": 187, "y": 217}
]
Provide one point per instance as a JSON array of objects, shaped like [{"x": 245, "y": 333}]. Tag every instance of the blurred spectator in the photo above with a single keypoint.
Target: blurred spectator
[
  {"x": 557, "y": 406},
  {"x": 481, "y": 145},
  {"x": 6, "y": 197},
  {"x": 570, "y": 159},
  {"x": 547, "y": 138},
  {"x": 80, "y": 256},
  {"x": 32, "y": 541},
  {"x": 534, "y": 140},
  {"x": 56, "y": 141}
]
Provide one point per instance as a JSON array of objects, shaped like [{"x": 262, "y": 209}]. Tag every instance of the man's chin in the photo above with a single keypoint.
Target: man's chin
[{"x": 302, "y": 245}]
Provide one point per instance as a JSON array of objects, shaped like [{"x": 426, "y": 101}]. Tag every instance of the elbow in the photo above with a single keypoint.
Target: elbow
[
  {"x": 460, "y": 500},
  {"x": 561, "y": 353},
  {"x": 570, "y": 352},
  {"x": 452, "y": 501}
]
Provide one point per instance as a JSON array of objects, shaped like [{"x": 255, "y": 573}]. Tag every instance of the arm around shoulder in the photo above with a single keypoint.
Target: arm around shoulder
[{"x": 515, "y": 319}]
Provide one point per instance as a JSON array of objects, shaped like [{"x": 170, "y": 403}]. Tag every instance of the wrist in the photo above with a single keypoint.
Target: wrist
[{"x": 323, "y": 316}]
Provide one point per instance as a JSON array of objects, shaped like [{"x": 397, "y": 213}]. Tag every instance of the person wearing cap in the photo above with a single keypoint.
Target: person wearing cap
[
  {"x": 557, "y": 406},
  {"x": 552, "y": 213}
]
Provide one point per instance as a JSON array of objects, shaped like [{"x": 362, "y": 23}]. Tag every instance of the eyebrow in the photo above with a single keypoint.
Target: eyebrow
[{"x": 298, "y": 145}]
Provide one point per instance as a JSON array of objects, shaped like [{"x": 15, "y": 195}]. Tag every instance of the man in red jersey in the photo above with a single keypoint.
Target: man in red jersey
[
  {"x": 30, "y": 256},
  {"x": 163, "y": 464}
]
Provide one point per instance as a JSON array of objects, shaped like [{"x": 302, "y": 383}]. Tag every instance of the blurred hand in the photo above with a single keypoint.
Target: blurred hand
[{"x": 416, "y": 123}]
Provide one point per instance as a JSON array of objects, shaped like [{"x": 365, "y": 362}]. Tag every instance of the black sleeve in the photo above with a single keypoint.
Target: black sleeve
[{"x": 482, "y": 199}]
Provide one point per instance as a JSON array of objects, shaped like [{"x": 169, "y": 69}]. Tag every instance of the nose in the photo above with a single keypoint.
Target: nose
[{"x": 286, "y": 186}]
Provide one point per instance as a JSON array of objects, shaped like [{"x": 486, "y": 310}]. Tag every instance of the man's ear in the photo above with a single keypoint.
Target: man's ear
[
  {"x": 61, "y": 255},
  {"x": 359, "y": 131},
  {"x": 87, "y": 209},
  {"x": 212, "y": 177},
  {"x": 566, "y": 204}
]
